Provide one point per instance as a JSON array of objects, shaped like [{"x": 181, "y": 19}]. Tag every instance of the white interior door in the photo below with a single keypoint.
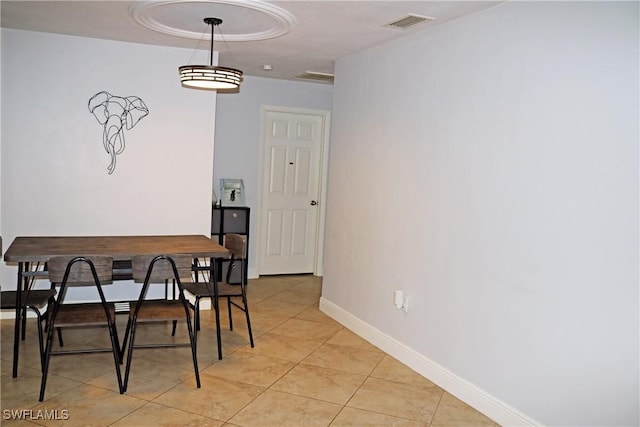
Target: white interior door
[{"x": 291, "y": 153}]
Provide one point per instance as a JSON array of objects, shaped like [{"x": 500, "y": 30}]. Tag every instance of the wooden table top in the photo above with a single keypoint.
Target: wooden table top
[{"x": 121, "y": 248}]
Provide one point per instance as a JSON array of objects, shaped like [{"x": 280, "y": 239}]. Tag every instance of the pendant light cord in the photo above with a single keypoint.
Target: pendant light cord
[
  {"x": 196, "y": 48},
  {"x": 228, "y": 52}
]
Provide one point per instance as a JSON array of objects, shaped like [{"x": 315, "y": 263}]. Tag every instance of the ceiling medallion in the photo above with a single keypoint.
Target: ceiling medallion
[{"x": 150, "y": 15}]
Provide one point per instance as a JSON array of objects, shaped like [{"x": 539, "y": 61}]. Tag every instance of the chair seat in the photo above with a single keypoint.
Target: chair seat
[
  {"x": 203, "y": 289},
  {"x": 33, "y": 298},
  {"x": 83, "y": 315},
  {"x": 159, "y": 310},
  {"x": 237, "y": 247}
]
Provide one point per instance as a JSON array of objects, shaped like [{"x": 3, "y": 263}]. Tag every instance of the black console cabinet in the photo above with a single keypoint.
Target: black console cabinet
[{"x": 230, "y": 219}]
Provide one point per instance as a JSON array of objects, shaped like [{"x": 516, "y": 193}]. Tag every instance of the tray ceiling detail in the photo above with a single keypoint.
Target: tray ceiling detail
[{"x": 247, "y": 20}]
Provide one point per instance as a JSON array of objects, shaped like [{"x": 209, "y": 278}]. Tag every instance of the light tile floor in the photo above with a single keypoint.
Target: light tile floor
[{"x": 305, "y": 370}]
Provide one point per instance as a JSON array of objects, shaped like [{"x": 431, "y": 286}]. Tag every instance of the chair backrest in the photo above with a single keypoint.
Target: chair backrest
[
  {"x": 93, "y": 270},
  {"x": 161, "y": 267},
  {"x": 236, "y": 245},
  {"x": 80, "y": 269}
]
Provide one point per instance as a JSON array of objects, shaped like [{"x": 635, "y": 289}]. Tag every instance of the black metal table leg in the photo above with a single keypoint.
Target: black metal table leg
[
  {"x": 18, "y": 322},
  {"x": 213, "y": 279}
]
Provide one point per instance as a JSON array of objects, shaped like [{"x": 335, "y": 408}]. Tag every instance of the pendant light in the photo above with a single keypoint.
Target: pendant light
[{"x": 209, "y": 76}]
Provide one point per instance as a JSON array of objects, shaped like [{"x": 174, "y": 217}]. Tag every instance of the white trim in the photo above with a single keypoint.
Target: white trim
[
  {"x": 11, "y": 314},
  {"x": 475, "y": 397},
  {"x": 281, "y": 20},
  {"x": 322, "y": 199}
]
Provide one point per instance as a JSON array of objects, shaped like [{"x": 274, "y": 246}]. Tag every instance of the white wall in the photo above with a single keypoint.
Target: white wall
[
  {"x": 237, "y": 151},
  {"x": 489, "y": 168},
  {"x": 2, "y": 243},
  {"x": 54, "y": 167}
]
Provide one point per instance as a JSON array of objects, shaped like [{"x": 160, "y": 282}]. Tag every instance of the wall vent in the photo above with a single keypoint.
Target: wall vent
[
  {"x": 408, "y": 21},
  {"x": 316, "y": 77}
]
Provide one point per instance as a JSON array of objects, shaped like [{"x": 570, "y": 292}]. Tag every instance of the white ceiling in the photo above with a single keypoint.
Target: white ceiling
[{"x": 292, "y": 36}]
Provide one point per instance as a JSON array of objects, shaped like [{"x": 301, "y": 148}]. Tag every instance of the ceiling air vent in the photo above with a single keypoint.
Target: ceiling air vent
[
  {"x": 316, "y": 77},
  {"x": 408, "y": 21}
]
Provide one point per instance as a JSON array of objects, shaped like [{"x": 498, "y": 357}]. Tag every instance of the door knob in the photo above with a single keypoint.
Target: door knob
[{"x": 313, "y": 203}]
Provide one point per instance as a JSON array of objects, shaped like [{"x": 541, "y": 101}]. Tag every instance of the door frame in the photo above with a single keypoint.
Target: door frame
[{"x": 322, "y": 180}]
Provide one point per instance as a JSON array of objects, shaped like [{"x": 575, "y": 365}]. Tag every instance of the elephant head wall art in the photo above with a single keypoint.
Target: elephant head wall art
[{"x": 115, "y": 114}]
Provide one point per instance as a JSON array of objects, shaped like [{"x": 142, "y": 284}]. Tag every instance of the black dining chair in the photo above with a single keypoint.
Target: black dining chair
[
  {"x": 87, "y": 271},
  {"x": 36, "y": 300},
  {"x": 159, "y": 269},
  {"x": 235, "y": 294}
]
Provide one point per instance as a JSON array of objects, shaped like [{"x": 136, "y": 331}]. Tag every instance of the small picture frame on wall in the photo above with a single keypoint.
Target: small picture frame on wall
[{"x": 232, "y": 192}]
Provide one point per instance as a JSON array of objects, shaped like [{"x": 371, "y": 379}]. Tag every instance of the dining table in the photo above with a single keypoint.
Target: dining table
[{"x": 31, "y": 254}]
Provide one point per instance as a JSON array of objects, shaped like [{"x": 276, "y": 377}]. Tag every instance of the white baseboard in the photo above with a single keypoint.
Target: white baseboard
[
  {"x": 11, "y": 314},
  {"x": 475, "y": 397},
  {"x": 205, "y": 304}
]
